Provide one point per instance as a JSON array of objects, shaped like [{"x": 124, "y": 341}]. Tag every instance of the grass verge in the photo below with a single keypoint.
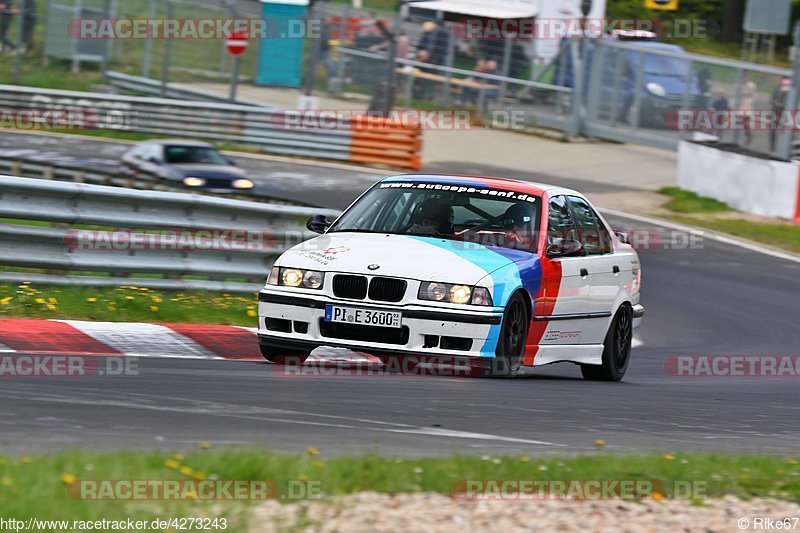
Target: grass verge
[
  {"x": 28, "y": 481},
  {"x": 694, "y": 210},
  {"x": 126, "y": 304}
]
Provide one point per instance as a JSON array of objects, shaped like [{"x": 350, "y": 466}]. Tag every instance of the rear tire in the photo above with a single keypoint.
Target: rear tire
[
  {"x": 513, "y": 337},
  {"x": 617, "y": 349}
]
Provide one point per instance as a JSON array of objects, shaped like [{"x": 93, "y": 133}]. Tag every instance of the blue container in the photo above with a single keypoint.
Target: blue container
[{"x": 280, "y": 54}]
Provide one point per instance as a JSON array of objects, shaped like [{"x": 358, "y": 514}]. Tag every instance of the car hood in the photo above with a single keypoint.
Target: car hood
[
  {"x": 210, "y": 171},
  {"x": 402, "y": 256}
]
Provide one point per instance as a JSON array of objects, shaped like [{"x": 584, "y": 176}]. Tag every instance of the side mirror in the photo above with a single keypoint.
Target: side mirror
[
  {"x": 623, "y": 237},
  {"x": 230, "y": 161},
  {"x": 318, "y": 223},
  {"x": 564, "y": 248},
  {"x": 154, "y": 160}
]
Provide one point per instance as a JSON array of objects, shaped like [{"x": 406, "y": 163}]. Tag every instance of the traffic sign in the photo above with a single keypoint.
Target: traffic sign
[{"x": 237, "y": 43}]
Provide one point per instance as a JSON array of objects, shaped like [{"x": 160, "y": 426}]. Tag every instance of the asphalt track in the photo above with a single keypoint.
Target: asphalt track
[{"x": 711, "y": 299}]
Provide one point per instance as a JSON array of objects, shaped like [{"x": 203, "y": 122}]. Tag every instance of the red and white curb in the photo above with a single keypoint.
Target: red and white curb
[
  {"x": 140, "y": 339},
  {"x": 194, "y": 341}
]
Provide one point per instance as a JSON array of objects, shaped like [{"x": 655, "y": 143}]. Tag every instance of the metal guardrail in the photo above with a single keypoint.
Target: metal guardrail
[
  {"x": 151, "y": 87},
  {"x": 267, "y": 128},
  {"x": 233, "y": 242},
  {"x": 77, "y": 173}
]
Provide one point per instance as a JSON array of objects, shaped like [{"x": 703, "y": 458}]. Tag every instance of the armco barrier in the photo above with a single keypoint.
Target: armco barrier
[
  {"x": 27, "y": 244},
  {"x": 263, "y": 127},
  {"x": 754, "y": 185},
  {"x": 386, "y": 142}
]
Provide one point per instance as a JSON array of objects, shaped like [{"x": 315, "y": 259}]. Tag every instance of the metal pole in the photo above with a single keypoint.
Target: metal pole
[
  {"x": 506, "y": 68},
  {"x": 342, "y": 39},
  {"x": 390, "y": 73},
  {"x": 18, "y": 51},
  {"x": 148, "y": 44},
  {"x": 235, "y": 78},
  {"x": 316, "y": 49},
  {"x": 451, "y": 50},
  {"x": 167, "y": 53},
  {"x": 107, "y": 48}
]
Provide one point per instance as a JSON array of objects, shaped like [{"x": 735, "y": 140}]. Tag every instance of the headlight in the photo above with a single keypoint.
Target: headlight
[
  {"x": 455, "y": 294},
  {"x": 242, "y": 184},
  {"x": 656, "y": 89},
  {"x": 295, "y": 277},
  {"x": 191, "y": 181}
]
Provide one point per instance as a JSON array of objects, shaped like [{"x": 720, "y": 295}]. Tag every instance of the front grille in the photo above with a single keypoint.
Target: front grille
[
  {"x": 357, "y": 332},
  {"x": 218, "y": 183},
  {"x": 353, "y": 287},
  {"x": 387, "y": 289}
]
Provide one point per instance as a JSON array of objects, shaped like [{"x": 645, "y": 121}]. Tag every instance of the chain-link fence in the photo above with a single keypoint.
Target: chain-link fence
[
  {"x": 659, "y": 92},
  {"x": 643, "y": 92}
]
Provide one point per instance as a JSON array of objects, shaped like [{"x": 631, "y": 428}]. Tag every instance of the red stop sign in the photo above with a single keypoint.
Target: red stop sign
[{"x": 237, "y": 43}]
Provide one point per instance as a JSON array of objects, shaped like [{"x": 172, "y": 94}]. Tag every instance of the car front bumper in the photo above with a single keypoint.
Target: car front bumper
[{"x": 296, "y": 322}]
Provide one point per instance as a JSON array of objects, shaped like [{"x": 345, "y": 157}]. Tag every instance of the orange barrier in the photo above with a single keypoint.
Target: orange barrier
[{"x": 386, "y": 142}]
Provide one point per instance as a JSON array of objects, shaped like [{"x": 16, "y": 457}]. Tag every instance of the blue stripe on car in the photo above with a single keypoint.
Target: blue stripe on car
[{"x": 492, "y": 259}]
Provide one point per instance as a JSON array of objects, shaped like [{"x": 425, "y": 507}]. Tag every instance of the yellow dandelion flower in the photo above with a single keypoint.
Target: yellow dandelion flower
[
  {"x": 53, "y": 300},
  {"x": 40, "y": 300},
  {"x": 157, "y": 300},
  {"x": 91, "y": 300},
  {"x": 205, "y": 445},
  {"x": 6, "y": 300},
  {"x": 669, "y": 457},
  {"x": 52, "y": 307},
  {"x": 251, "y": 313},
  {"x": 25, "y": 460},
  {"x": 172, "y": 464},
  {"x": 792, "y": 461},
  {"x": 68, "y": 479},
  {"x": 657, "y": 496},
  {"x": 130, "y": 298},
  {"x": 177, "y": 456},
  {"x": 199, "y": 476},
  {"x": 154, "y": 308},
  {"x": 318, "y": 464},
  {"x": 525, "y": 459},
  {"x": 312, "y": 451},
  {"x": 599, "y": 442},
  {"x": 186, "y": 471},
  {"x": 302, "y": 477}
]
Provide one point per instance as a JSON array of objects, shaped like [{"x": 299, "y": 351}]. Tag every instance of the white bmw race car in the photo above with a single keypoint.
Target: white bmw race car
[{"x": 496, "y": 272}]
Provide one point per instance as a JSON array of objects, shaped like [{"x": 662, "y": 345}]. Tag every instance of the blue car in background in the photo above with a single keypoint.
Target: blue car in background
[{"x": 667, "y": 81}]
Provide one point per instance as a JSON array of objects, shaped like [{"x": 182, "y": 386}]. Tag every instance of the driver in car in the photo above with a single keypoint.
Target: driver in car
[
  {"x": 432, "y": 217},
  {"x": 517, "y": 221}
]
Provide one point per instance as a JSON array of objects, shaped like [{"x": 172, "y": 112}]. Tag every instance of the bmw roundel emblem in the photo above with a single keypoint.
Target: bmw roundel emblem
[{"x": 373, "y": 267}]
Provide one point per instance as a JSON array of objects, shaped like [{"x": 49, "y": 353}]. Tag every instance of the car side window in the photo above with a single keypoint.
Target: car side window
[
  {"x": 560, "y": 225},
  {"x": 594, "y": 236}
]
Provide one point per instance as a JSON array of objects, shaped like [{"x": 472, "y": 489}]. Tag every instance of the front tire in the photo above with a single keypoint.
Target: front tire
[
  {"x": 617, "y": 349},
  {"x": 513, "y": 337}
]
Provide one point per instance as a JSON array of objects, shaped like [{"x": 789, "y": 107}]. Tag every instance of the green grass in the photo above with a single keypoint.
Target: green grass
[
  {"x": 683, "y": 201},
  {"x": 126, "y": 304},
  {"x": 28, "y": 482},
  {"x": 784, "y": 236},
  {"x": 709, "y": 213}
]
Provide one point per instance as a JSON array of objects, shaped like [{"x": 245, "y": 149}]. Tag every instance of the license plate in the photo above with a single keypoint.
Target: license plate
[{"x": 364, "y": 317}]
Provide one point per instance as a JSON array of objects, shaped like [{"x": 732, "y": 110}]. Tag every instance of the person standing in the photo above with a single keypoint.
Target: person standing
[
  {"x": 778, "y": 104},
  {"x": 28, "y": 23},
  {"x": 7, "y": 13},
  {"x": 746, "y": 104}
]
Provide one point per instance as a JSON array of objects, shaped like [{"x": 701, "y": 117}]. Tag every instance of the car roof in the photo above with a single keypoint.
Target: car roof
[
  {"x": 485, "y": 181},
  {"x": 179, "y": 142}
]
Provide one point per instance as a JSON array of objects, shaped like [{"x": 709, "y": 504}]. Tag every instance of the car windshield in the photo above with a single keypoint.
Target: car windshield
[
  {"x": 202, "y": 155},
  {"x": 486, "y": 216}
]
